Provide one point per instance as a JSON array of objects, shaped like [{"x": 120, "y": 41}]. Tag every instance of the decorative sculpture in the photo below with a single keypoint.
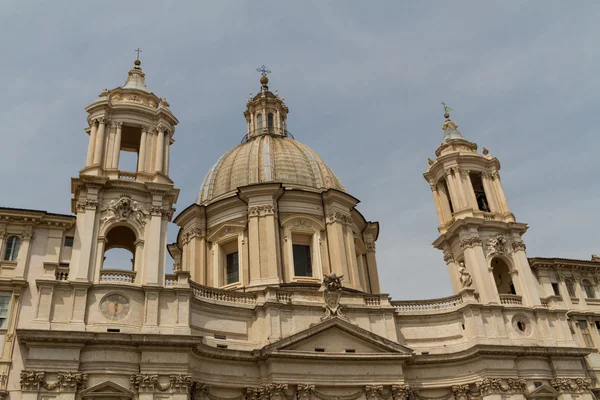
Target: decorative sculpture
[
  {"x": 465, "y": 277},
  {"x": 595, "y": 258},
  {"x": 332, "y": 295}
]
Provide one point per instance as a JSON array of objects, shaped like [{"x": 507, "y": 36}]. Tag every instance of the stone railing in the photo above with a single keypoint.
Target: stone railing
[
  {"x": 511, "y": 299},
  {"x": 117, "y": 276},
  {"x": 62, "y": 273},
  {"x": 127, "y": 176},
  {"x": 205, "y": 292},
  {"x": 170, "y": 280},
  {"x": 445, "y": 303},
  {"x": 284, "y": 297},
  {"x": 372, "y": 300}
]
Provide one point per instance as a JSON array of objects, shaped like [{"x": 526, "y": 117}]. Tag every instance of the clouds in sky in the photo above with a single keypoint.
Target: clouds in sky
[{"x": 363, "y": 81}]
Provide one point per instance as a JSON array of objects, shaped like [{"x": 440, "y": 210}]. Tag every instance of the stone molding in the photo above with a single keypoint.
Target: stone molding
[
  {"x": 150, "y": 383},
  {"x": 65, "y": 381},
  {"x": 470, "y": 241},
  {"x": 570, "y": 385}
]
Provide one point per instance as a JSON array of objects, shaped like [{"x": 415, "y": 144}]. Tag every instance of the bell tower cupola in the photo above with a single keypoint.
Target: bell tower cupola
[
  {"x": 266, "y": 113},
  {"x": 479, "y": 235},
  {"x": 124, "y": 197},
  {"x": 130, "y": 122}
]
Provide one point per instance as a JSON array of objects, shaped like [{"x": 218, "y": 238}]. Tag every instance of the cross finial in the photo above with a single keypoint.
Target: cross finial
[
  {"x": 138, "y": 51},
  {"x": 446, "y": 109},
  {"x": 263, "y": 70}
]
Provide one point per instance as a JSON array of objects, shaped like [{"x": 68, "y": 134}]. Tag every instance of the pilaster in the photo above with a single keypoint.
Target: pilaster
[{"x": 477, "y": 266}]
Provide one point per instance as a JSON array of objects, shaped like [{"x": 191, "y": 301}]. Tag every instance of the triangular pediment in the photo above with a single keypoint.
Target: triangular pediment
[
  {"x": 336, "y": 336},
  {"x": 543, "y": 391},
  {"x": 107, "y": 389}
]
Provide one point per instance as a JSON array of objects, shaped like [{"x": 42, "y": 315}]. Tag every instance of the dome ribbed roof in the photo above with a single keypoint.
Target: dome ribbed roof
[{"x": 267, "y": 159}]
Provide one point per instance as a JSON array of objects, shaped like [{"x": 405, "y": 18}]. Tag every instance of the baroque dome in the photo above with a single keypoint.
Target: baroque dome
[{"x": 267, "y": 159}]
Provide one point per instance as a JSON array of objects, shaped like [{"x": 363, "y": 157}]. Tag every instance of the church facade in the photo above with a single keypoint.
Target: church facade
[{"x": 275, "y": 293}]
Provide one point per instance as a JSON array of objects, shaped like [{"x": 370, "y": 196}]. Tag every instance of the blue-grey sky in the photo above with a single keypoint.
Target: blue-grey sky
[{"x": 363, "y": 81}]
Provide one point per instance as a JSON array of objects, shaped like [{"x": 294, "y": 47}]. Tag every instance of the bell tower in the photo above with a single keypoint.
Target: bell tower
[
  {"x": 479, "y": 235},
  {"x": 125, "y": 206}
]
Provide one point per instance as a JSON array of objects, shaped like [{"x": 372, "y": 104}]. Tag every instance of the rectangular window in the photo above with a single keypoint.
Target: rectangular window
[
  {"x": 302, "y": 261},
  {"x": 232, "y": 269},
  {"x": 555, "y": 289},
  {"x": 4, "y": 303},
  {"x": 68, "y": 241},
  {"x": 587, "y": 338}
]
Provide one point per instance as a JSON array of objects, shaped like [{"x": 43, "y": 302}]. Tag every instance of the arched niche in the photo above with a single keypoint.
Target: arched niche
[{"x": 501, "y": 269}]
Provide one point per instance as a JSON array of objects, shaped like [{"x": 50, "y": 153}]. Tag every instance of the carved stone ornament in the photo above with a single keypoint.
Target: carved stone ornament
[
  {"x": 595, "y": 258},
  {"x": 571, "y": 385},
  {"x": 374, "y": 392},
  {"x": 460, "y": 391},
  {"x": 259, "y": 211},
  {"x": 134, "y": 99},
  {"x": 496, "y": 245},
  {"x": 124, "y": 209},
  {"x": 519, "y": 245},
  {"x": 402, "y": 392},
  {"x": 448, "y": 256},
  {"x": 302, "y": 223},
  {"x": 370, "y": 245},
  {"x": 304, "y": 391},
  {"x": 496, "y": 385},
  {"x": 470, "y": 242},
  {"x": 464, "y": 275},
  {"x": 335, "y": 216},
  {"x": 86, "y": 205},
  {"x": 65, "y": 381},
  {"x": 332, "y": 295},
  {"x": 192, "y": 233},
  {"x": 150, "y": 383}
]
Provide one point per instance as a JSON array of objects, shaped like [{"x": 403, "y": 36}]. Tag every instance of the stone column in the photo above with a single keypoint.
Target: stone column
[
  {"x": 22, "y": 262},
  {"x": 372, "y": 266},
  {"x": 117, "y": 145},
  {"x": 335, "y": 237},
  {"x": 564, "y": 292},
  {"x": 477, "y": 266},
  {"x": 138, "y": 257},
  {"x": 167, "y": 151},
  {"x": 452, "y": 188},
  {"x": 142, "y": 154},
  {"x": 461, "y": 188},
  {"x": 99, "y": 141},
  {"x": 86, "y": 221},
  {"x": 99, "y": 258},
  {"x": 436, "y": 201},
  {"x": 3, "y": 236},
  {"x": 469, "y": 191},
  {"x": 254, "y": 246},
  {"x": 498, "y": 186},
  {"x": 152, "y": 254},
  {"x": 452, "y": 271},
  {"x": 529, "y": 290},
  {"x": 490, "y": 193},
  {"x": 351, "y": 256},
  {"x": 160, "y": 148},
  {"x": 278, "y": 123},
  {"x": 91, "y": 144}
]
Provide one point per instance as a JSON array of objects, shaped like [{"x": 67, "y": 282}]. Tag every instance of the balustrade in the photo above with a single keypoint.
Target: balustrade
[
  {"x": 511, "y": 299},
  {"x": 117, "y": 276}
]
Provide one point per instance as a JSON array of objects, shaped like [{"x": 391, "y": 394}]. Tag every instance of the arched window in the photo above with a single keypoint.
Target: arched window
[
  {"x": 270, "y": 123},
  {"x": 590, "y": 293},
  {"x": 119, "y": 256},
  {"x": 570, "y": 287},
  {"x": 259, "y": 122},
  {"x": 502, "y": 277},
  {"x": 12, "y": 248}
]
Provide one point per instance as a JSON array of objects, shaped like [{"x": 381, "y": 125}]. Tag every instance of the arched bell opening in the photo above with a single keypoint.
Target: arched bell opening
[
  {"x": 118, "y": 263},
  {"x": 502, "y": 276}
]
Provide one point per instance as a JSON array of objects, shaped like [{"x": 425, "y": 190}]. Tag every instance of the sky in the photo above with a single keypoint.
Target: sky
[{"x": 363, "y": 82}]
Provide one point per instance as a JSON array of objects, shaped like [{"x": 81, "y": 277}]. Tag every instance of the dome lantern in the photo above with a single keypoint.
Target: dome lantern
[{"x": 266, "y": 113}]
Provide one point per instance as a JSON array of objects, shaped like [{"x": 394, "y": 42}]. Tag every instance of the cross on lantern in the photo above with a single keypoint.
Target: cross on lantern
[
  {"x": 138, "y": 51},
  {"x": 263, "y": 70}
]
